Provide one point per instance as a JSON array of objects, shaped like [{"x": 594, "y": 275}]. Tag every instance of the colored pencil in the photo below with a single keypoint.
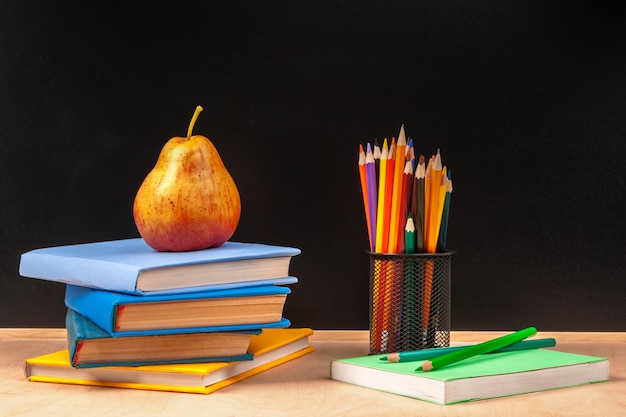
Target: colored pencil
[
  {"x": 441, "y": 197},
  {"x": 364, "y": 192},
  {"x": 434, "y": 200},
  {"x": 407, "y": 184},
  {"x": 376, "y": 150},
  {"x": 429, "y": 270},
  {"x": 382, "y": 183},
  {"x": 417, "y": 207},
  {"x": 409, "y": 235},
  {"x": 474, "y": 350},
  {"x": 427, "y": 181},
  {"x": 377, "y": 305},
  {"x": 396, "y": 199},
  {"x": 443, "y": 233},
  {"x": 425, "y": 354},
  {"x": 370, "y": 171},
  {"x": 391, "y": 163},
  {"x": 410, "y": 153}
]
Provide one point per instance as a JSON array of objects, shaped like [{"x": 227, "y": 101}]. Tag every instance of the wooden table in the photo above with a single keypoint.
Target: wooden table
[{"x": 301, "y": 387}]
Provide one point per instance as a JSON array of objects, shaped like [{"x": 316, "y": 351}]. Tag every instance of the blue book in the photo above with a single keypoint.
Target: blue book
[
  {"x": 89, "y": 346},
  {"x": 237, "y": 309},
  {"x": 131, "y": 266}
]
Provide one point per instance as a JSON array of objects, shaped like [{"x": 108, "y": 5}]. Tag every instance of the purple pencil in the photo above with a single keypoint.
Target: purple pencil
[{"x": 372, "y": 193}]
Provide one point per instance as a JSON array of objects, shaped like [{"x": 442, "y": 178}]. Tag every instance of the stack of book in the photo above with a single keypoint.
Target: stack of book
[{"x": 139, "y": 318}]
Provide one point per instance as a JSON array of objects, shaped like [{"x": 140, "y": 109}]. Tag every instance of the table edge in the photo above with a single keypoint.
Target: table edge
[{"x": 358, "y": 335}]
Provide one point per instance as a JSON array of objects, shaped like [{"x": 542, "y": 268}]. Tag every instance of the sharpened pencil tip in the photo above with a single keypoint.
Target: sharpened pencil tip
[
  {"x": 393, "y": 357},
  {"x": 426, "y": 366}
]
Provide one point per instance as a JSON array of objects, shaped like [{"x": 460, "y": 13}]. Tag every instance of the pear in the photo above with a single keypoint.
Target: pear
[{"x": 188, "y": 201}]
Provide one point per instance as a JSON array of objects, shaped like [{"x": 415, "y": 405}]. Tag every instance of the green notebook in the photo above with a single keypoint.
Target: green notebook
[{"x": 480, "y": 377}]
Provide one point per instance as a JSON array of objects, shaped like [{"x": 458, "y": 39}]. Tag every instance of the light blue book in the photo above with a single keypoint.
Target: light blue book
[
  {"x": 237, "y": 309},
  {"x": 131, "y": 266}
]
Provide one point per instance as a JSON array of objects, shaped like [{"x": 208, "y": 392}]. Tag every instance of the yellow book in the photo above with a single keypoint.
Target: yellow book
[{"x": 271, "y": 348}]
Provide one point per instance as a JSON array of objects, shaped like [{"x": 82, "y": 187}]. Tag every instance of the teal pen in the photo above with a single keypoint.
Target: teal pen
[{"x": 426, "y": 354}]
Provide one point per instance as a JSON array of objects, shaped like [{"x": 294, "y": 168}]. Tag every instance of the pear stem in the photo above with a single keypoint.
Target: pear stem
[{"x": 193, "y": 120}]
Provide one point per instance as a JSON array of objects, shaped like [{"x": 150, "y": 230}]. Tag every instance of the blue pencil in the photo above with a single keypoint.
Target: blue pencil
[{"x": 426, "y": 354}]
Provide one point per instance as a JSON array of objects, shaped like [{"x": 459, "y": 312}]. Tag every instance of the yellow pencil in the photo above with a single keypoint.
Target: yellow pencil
[
  {"x": 435, "y": 184},
  {"x": 427, "y": 182},
  {"x": 391, "y": 161},
  {"x": 443, "y": 189},
  {"x": 382, "y": 182}
]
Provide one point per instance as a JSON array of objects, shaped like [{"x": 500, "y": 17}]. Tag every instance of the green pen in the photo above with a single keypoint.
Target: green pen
[{"x": 474, "y": 350}]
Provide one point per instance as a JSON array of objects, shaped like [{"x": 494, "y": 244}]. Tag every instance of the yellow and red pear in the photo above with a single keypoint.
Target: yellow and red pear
[{"x": 189, "y": 201}]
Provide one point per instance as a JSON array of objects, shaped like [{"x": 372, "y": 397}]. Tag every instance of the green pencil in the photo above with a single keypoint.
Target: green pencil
[
  {"x": 474, "y": 350},
  {"x": 409, "y": 235},
  {"x": 424, "y": 354}
]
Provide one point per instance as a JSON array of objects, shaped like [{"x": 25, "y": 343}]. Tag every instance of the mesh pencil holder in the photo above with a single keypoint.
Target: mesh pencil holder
[{"x": 409, "y": 301}]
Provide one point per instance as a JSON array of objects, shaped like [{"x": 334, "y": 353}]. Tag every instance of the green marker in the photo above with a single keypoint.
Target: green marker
[{"x": 474, "y": 350}]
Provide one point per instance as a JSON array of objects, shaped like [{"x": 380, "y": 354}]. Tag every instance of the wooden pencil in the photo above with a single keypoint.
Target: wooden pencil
[
  {"x": 405, "y": 197},
  {"x": 433, "y": 210},
  {"x": 391, "y": 163},
  {"x": 429, "y": 271},
  {"x": 443, "y": 233},
  {"x": 426, "y": 354},
  {"x": 382, "y": 183},
  {"x": 370, "y": 173},
  {"x": 363, "y": 178},
  {"x": 396, "y": 200},
  {"x": 409, "y": 235},
  {"x": 440, "y": 207},
  {"x": 417, "y": 209},
  {"x": 427, "y": 182},
  {"x": 474, "y": 350}
]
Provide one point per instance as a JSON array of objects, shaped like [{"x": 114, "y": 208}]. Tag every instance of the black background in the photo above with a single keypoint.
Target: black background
[{"x": 526, "y": 101}]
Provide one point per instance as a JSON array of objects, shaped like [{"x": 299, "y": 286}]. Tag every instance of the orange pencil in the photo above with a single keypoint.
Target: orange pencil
[
  {"x": 364, "y": 190},
  {"x": 396, "y": 199}
]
